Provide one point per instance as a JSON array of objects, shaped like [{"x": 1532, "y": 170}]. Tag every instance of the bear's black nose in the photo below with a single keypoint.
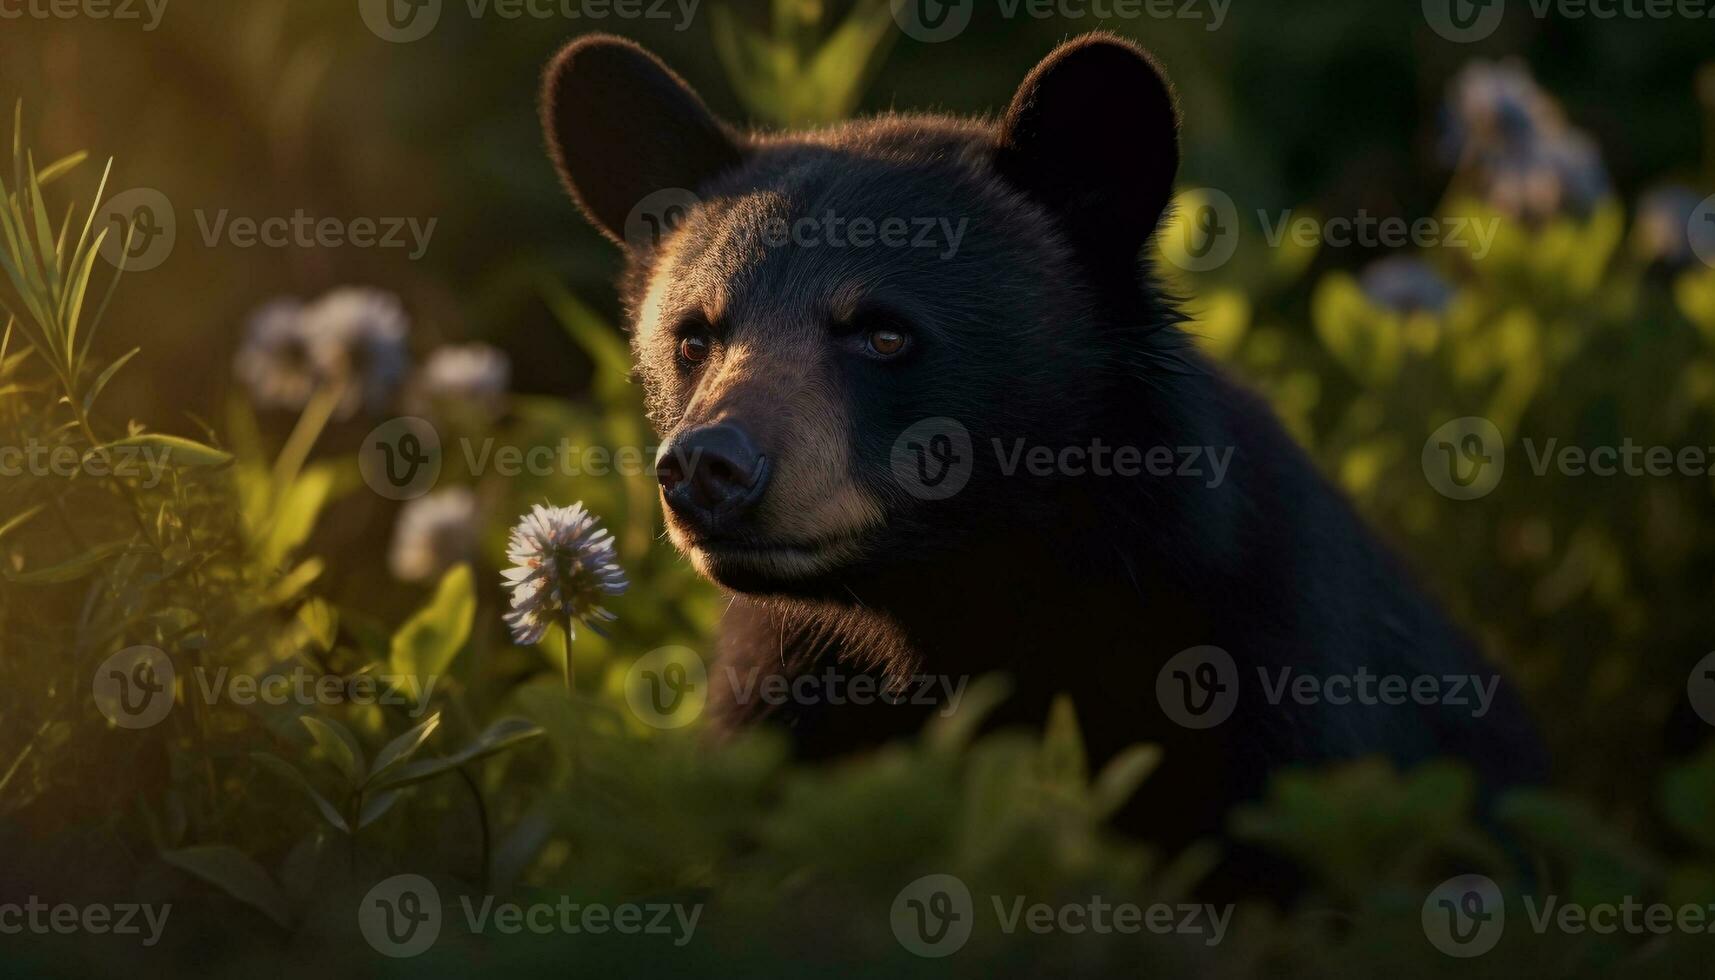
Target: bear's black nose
[{"x": 711, "y": 475}]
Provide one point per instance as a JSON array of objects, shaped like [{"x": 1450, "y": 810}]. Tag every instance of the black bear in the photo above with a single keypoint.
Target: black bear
[{"x": 926, "y": 413}]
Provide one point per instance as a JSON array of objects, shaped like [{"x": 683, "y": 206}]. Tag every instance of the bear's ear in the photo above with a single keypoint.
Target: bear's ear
[
  {"x": 1093, "y": 134},
  {"x": 621, "y": 126}
]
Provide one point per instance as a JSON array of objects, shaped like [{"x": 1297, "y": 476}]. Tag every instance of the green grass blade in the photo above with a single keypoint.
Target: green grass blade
[
  {"x": 77, "y": 286},
  {"x": 59, "y": 168},
  {"x": 112, "y": 287},
  {"x": 44, "y": 232}
]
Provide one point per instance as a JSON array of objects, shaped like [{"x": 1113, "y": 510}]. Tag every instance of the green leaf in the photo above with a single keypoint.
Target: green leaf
[
  {"x": 377, "y": 806},
  {"x": 233, "y": 872},
  {"x": 425, "y": 645},
  {"x": 290, "y": 773},
  {"x": 599, "y": 340},
  {"x": 339, "y": 744},
  {"x": 1063, "y": 761},
  {"x": 59, "y": 168},
  {"x": 955, "y": 730},
  {"x": 402, "y": 748},
  {"x": 17, "y": 520},
  {"x": 498, "y": 737},
  {"x": 71, "y": 569},
  {"x": 1119, "y": 780},
  {"x": 170, "y": 450},
  {"x": 95, "y": 389},
  {"x": 291, "y": 520}
]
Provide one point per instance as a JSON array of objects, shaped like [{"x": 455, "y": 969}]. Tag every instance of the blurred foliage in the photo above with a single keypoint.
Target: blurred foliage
[{"x": 261, "y": 554}]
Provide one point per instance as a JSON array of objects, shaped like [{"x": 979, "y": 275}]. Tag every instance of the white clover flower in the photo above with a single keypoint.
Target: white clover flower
[
  {"x": 274, "y": 361},
  {"x": 358, "y": 335},
  {"x": 434, "y": 533},
  {"x": 353, "y": 337},
  {"x": 470, "y": 373},
  {"x": 564, "y": 563}
]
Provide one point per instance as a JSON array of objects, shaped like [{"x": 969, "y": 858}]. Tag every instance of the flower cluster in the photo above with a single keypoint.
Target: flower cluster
[
  {"x": 469, "y": 374},
  {"x": 1405, "y": 284},
  {"x": 564, "y": 563},
  {"x": 1513, "y": 141},
  {"x": 434, "y": 533},
  {"x": 351, "y": 340}
]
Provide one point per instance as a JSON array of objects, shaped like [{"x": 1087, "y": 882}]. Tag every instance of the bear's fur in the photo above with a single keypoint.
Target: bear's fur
[{"x": 1041, "y": 326}]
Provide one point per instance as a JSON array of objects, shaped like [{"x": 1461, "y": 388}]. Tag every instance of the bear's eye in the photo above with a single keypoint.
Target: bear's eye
[
  {"x": 694, "y": 348},
  {"x": 885, "y": 341}
]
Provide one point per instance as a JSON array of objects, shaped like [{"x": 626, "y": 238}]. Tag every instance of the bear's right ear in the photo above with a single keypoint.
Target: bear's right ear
[{"x": 622, "y": 126}]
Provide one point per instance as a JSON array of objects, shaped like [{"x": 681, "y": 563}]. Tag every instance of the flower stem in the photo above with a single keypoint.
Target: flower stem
[{"x": 566, "y": 632}]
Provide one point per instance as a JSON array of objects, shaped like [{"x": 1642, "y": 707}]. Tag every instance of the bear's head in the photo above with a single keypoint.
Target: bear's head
[{"x": 844, "y": 334}]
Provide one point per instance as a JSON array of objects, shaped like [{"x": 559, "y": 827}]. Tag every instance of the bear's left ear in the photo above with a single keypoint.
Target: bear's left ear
[{"x": 1093, "y": 134}]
